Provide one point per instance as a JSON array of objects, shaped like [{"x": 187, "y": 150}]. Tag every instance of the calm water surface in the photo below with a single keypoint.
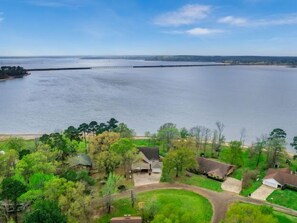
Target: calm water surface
[{"x": 258, "y": 98}]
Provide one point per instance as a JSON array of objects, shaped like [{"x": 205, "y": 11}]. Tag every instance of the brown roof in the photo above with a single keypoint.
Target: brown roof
[
  {"x": 151, "y": 153},
  {"x": 126, "y": 220},
  {"x": 214, "y": 168},
  {"x": 282, "y": 176}
]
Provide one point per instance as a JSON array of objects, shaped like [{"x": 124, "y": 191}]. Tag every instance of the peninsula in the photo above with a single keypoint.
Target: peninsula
[{"x": 11, "y": 72}]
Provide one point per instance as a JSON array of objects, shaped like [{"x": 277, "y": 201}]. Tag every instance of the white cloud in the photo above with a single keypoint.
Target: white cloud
[
  {"x": 233, "y": 20},
  {"x": 290, "y": 19},
  {"x": 203, "y": 31},
  {"x": 186, "y": 15}
]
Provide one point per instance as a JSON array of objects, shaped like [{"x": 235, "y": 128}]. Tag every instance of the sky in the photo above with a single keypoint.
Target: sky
[{"x": 148, "y": 27}]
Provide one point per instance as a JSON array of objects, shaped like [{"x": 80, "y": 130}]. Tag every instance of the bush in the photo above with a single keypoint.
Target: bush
[{"x": 249, "y": 177}]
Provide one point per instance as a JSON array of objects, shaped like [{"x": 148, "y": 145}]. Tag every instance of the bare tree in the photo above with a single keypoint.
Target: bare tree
[
  {"x": 207, "y": 133},
  {"x": 242, "y": 136},
  {"x": 214, "y": 141},
  {"x": 196, "y": 132},
  {"x": 221, "y": 137}
]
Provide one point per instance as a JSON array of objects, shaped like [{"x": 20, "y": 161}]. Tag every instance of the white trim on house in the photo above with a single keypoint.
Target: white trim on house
[{"x": 272, "y": 183}]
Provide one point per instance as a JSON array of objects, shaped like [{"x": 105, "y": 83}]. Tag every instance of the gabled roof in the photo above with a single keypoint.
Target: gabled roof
[
  {"x": 282, "y": 176},
  {"x": 126, "y": 220},
  {"x": 151, "y": 153},
  {"x": 213, "y": 167},
  {"x": 80, "y": 159}
]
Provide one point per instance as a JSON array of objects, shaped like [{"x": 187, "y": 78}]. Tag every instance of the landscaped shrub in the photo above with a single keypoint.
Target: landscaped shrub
[{"x": 249, "y": 177}]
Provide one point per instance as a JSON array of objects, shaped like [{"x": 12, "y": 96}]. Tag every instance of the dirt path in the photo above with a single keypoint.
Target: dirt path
[{"x": 219, "y": 200}]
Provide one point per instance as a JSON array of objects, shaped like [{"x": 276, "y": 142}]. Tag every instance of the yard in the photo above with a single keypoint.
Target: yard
[
  {"x": 170, "y": 203},
  {"x": 286, "y": 198},
  {"x": 201, "y": 181}
]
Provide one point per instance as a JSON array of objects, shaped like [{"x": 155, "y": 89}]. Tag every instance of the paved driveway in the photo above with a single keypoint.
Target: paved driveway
[
  {"x": 262, "y": 192},
  {"x": 232, "y": 185},
  {"x": 145, "y": 179}
]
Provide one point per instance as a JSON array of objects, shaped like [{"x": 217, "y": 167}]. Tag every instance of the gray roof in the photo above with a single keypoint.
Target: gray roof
[
  {"x": 80, "y": 159},
  {"x": 151, "y": 153}
]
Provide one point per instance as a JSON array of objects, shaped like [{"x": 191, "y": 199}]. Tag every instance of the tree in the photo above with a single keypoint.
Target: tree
[
  {"x": 206, "y": 134},
  {"x": 46, "y": 212},
  {"x": 259, "y": 147},
  {"x": 220, "y": 128},
  {"x": 127, "y": 151},
  {"x": 214, "y": 141},
  {"x": 179, "y": 159},
  {"x": 112, "y": 124},
  {"x": 38, "y": 162},
  {"x": 71, "y": 199},
  {"x": 294, "y": 143},
  {"x": 107, "y": 161},
  {"x": 196, "y": 132},
  {"x": 166, "y": 134},
  {"x": 16, "y": 144},
  {"x": 124, "y": 131},
  {"x": 184, "y": 133},
  {"x": 242, "y": 136},
  {"x": 8, "y": 162},
  {"x": 248, "y": 213},
  {"x": 83, "y": 130},
  {"x": 235, "y": 155},
  {"x": 72, "y": 133},
  {"x": 276, "y": 143},
  {"x": 110, "y": 188},
  {"x": 93, "y": 126},
  {"x": 11, "y": 190}
]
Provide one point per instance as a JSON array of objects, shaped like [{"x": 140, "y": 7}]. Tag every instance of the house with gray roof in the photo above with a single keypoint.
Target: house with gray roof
[
  {"x": 80, "y": 161},
  {"x": 280, "y": 178},
  {"x": 149, "y": 160}
]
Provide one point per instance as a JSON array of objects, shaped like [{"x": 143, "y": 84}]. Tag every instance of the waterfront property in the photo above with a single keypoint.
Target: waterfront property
[
  {"x": 149, "y": 160},
  {"x": 80, "y": 161},
  {"x": 280, "y": 178},
  {"x": 214, "y": 169}
]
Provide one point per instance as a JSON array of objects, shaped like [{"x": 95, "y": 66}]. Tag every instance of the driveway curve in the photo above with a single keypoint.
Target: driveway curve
[{"x": 219, "y": 200}]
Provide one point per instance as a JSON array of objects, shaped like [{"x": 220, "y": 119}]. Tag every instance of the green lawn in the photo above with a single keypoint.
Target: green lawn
[
  {"x": 201, "y": 181},
  {"x": 29, "y": 144},
  {"x": 284, "y": 218},
  {"x": 286, "y": 198},
  {"x": 169, "y": 203}
]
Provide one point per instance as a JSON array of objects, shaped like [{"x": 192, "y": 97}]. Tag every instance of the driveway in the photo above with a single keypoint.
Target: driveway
[
  {"x": 262, "y": 192},
  {"x": 141, "y": 179},
  {"x": 232, "y": 185}
]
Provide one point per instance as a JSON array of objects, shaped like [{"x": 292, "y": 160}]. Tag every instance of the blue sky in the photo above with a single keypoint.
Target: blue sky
[{"x": 146, "y": 27}]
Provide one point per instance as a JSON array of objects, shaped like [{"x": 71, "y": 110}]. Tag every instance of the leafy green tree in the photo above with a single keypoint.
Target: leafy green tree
[
  {"x": 108, "y": 161},
  {"x": 11, "y": 190},
  {"x": 83, "y": 130},
  {"x": 8, "y": 162},
  {"x": 46, "y": 212},
  {"x": 179, "y": 160},
  {"x": 17, "y": 144},
  {"x": 294, "y": 143},
  {"x": 38, "y": 162},
  {"x": 93, "y": 126},
  {"x": 166, "y": 134},
  {"x": 71, "y": 199},
  {"x": 259, "y": 147},
  {"x": 184, "y": 133},
  {"x": 276, "y": 144},
  {"x": 236, "y": 155},
  {"x": 102, "y": 142},
  {"x": 247, "y": 213},
  {"x": 126, "y": 150},
  {"x": 110, "y": 188},
  {"x": 102, "y": 127},
  {"x": 112, "y": 124},
  {"x": 72, "y": 133},
  {"x": 124, "y": 131}
]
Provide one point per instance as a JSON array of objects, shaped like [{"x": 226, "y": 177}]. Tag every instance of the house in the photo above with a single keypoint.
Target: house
[
  {"x": 149, "y": 160},
  {"x": 279, "y": 178},
  {"x": 127, "y": 219},
  {"x": 214, "y": 169},
  {"x": 80, "y": 161}
]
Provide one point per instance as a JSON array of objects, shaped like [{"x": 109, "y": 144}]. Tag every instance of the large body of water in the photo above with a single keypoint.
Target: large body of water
[{"x": 258, "y": 98}]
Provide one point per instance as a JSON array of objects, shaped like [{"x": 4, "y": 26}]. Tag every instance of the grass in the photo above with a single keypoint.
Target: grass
[
  {"x": 201, "y": 181},
  {"x": 286, "y": 198},
  {"x": 169, "y": 203},
  {"x": 144, "y": 143},
  {"x": 284, "y": 218}
]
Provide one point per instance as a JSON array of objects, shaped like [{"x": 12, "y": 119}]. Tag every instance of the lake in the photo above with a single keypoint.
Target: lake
[{"x": 258, "y": 98}]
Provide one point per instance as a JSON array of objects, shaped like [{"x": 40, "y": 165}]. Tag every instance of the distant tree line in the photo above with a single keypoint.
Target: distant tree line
[{"x": 14, "y": 71}]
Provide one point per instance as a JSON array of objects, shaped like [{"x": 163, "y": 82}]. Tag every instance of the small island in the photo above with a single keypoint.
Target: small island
[{"x": 11, "y": 72}]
